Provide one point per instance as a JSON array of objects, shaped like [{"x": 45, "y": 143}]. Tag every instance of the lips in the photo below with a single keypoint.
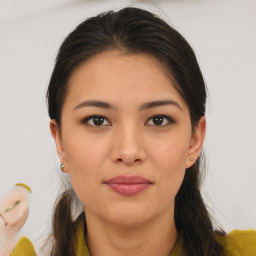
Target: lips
[{"x": 128, "y": 185}]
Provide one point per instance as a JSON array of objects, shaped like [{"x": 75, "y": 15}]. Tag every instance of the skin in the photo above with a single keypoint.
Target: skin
[
  {"x": 13, "y": 220},
  {"x": 129, "y": 142}
]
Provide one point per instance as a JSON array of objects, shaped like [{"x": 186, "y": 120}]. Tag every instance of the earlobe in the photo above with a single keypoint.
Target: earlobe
[
  {"x": 55, "y": 131},
  {"x": 196, "y": 143}
]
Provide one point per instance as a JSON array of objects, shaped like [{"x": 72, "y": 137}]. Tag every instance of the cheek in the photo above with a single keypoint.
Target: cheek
[
  {"x": 170, "y": 153},
  {"x": 169, "y": 160},
  {"x": 84, "y": 158},
  {"x": 83, "y": 152},
  {"x": 83, "y": 162}
]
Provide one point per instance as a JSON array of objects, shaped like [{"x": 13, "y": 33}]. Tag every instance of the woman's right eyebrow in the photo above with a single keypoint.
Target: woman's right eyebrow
[
  {"x": 94, "y": 103},
  {"x": 144, "y": 106}
]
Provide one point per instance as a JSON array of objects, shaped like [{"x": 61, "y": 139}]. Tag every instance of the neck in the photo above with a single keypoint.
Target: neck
[{"x": 155, "y": 237}]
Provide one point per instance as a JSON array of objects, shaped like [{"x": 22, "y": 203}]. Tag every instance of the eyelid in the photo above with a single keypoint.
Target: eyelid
[
  {"x": 170, "y": 120},
  {"x": 86, "y": 119}
]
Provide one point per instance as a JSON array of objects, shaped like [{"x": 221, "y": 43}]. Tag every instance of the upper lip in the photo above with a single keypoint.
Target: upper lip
[{"x": 128, "y": 180}]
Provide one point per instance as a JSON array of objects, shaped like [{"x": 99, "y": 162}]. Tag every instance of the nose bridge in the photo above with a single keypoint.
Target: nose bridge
[{"x": 128, "y": 143}]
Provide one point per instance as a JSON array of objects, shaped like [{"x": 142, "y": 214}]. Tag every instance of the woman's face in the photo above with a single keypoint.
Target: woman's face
[{"x": 125, "y": 138}]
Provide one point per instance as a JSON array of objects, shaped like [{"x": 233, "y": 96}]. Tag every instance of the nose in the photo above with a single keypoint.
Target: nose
[{"x": 128, "y": 147}]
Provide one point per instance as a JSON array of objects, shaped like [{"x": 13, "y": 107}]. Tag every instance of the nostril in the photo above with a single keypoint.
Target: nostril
[{"x": 134, "y": 161}]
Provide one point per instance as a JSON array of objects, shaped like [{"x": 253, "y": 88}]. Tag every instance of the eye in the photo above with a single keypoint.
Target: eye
[
  {"x": 160, "y": 120},
  {"x": 96, "y": 120}
]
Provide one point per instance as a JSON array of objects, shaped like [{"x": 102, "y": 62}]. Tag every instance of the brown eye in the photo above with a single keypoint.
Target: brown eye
[
  {"x": 160, "y": 120},
  {"x": 96, "y": 121}
]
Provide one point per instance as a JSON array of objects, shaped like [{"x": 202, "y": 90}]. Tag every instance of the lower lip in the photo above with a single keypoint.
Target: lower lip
[{"x": 128, "y": 189}]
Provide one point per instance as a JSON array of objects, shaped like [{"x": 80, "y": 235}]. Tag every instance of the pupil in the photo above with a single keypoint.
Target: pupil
[
  {"x": 98, "y": 120},
  {"x": 157, "y": 120}
]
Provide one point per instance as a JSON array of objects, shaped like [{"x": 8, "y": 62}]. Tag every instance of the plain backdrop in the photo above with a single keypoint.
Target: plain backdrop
[{"x": 223, "y": 35}]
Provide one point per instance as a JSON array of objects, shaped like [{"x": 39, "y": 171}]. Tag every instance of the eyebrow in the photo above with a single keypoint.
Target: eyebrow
[{"x": 144, "y": 106}]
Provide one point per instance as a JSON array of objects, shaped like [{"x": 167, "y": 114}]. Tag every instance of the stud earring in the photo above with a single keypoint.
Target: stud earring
[
  {"x": 62, "y": 166},
  {"x": 191, "y": 159}
]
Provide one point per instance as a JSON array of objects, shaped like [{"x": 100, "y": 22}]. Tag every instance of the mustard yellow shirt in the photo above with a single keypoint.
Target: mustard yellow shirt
[{"x": 237, "y": 243}]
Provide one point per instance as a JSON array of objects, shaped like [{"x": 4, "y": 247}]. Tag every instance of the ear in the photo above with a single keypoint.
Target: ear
[
  {"x": 55, "y": 131},
  {"x": 196, "y": 143}
]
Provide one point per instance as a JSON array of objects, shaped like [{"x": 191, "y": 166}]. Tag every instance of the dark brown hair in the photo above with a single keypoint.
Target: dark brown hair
[{"x": 135, "y": 31}]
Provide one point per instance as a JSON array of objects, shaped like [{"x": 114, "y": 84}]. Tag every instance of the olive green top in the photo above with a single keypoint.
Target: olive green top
[{"x": 237, "y": 243}]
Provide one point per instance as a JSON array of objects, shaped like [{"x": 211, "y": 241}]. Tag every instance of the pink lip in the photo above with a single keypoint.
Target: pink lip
[{"x": 128, "y": 185}]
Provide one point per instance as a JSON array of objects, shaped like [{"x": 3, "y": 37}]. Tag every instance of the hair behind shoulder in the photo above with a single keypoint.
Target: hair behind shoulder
[{"x": 65, "y": 221}]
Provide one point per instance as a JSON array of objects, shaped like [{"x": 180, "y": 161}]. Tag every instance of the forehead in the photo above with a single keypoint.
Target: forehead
[{"x": 121, "y": 78}]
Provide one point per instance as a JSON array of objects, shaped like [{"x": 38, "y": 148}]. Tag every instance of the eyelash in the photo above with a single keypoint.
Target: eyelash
[{"x": 169, "y": 119}]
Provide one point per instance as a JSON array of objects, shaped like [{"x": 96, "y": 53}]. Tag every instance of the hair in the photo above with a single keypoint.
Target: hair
[{"x": 136, "y": 31}]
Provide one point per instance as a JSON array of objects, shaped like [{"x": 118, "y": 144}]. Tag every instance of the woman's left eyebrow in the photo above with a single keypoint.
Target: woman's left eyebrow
[
  {"x": 144, "y": 106},
  {"x": 158, "y": 103}
]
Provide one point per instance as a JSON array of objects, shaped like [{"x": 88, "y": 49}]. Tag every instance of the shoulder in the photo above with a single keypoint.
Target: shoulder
[
  {"x": 239, "y": 243},
  {"x": 24, "y": 248}
]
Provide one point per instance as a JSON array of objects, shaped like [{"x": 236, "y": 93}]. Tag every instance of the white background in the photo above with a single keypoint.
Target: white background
[{"x": 223, "y": 35}]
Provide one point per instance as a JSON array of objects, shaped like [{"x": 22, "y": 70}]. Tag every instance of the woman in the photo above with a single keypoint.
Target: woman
[{"x": 127, "y": 102}]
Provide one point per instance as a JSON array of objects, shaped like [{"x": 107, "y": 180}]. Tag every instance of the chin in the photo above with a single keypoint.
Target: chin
[{"x": 128, "y": 216}]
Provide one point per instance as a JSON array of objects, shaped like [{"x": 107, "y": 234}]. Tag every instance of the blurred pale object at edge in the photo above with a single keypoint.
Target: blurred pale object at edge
[{"x": 14, "y": 208}]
